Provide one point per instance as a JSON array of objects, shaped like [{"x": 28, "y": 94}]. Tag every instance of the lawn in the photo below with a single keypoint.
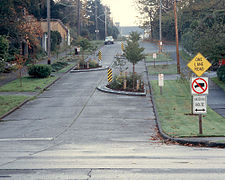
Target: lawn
[
  {"x": 160, "y": 57},
  {"x": 163, "y": 69},
  {"x": 28, "y": 84},
  {"x": 174, "y": 108},
  {"x": 7, "y": 102},
  {"x": 219, "y": 83}
]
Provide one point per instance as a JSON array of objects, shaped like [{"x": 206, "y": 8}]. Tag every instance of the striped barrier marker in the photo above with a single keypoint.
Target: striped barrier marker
[
  {"x": 99, "y": 55},
  {"x": 122, "y": 46},
  {"x": 109, "y": 75}
]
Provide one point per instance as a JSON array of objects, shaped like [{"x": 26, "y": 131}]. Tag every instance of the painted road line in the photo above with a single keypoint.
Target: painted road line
[{"x": 27, "y": 139}]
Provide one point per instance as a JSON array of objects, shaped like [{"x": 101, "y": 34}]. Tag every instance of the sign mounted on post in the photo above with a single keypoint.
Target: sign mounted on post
[
  {"x": 199, "y": 104},
  {"x": 161, "y": 79},
  {"x": 161, "y": 82},
  {"x": 199, "y": 86},
  {"x": 199, "y": 64}
]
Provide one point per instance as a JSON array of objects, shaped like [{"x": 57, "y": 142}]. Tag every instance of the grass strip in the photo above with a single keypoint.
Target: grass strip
[
  {"x": 160, "y": 57},
  {"x": 8, "y": 102},
  {"x": 28, "y": 84},
  {"x": 174, "y": 110},
  {"x": 67, "y": 68},
  {"x": 164, "y": 69},
  {"x": 218, "y": 82}
]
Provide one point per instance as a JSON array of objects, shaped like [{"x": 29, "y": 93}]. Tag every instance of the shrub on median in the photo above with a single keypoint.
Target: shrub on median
[
  {"x": 39, "y": 70},
  {"x": 118, "y": 82}
]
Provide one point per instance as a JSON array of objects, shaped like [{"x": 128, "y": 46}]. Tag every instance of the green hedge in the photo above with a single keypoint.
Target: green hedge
[
  {"x": 221, "y": 73},
  {"x": 39, "y": 70},
  {"x": 58, "y": 66}
]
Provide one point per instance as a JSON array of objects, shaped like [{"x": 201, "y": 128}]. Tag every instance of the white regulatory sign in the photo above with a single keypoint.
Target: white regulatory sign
[
  {"x": 199, "y": 104},
  {"x": 199, "y": 85},
  {"x": 161, "y": 79},
  {"x": 154, "y": 55}
]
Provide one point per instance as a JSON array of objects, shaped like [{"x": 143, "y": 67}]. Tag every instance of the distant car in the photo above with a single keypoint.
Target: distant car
[{"x": 109, "y": 40}]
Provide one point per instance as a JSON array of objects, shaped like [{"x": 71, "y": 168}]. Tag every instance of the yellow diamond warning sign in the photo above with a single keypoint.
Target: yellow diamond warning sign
[{"x": 199, "y": 64}]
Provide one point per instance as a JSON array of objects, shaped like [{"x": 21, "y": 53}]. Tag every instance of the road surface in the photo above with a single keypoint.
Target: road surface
[{"x": 74, "y": 132}]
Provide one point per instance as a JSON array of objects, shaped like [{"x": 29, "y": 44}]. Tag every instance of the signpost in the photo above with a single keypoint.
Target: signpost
[
  {"x": 199, "y": 86},
  {"x": 154, "y": 57},
  {"x": 200, "y": 107},
  {"x": 161, "y": 82}
]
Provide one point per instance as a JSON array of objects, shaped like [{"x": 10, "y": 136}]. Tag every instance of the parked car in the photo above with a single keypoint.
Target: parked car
[{"x": 109, "y": 40}]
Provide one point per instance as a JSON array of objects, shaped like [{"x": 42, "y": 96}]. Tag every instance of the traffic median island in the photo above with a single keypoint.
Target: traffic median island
[
  {"x": 175, "y": 116},
  {"x": 124, "y": 84}
]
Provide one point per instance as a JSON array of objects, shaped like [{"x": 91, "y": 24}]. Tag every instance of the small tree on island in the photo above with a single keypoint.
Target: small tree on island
[
  {"x": 134, "y": 36},
  {"x": 85, "y": 45},
  {"x": 133, "y": 52}
]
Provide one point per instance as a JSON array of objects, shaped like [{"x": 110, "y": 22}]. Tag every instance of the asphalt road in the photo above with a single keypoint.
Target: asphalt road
[{"x": 74, "y": 132}]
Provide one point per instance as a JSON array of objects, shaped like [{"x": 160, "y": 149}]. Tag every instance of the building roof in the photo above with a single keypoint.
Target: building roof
[{"x": 56, "y": 20}]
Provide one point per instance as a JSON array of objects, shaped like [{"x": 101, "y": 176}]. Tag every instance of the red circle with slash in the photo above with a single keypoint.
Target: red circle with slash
[{"x": 200, "y": 86}]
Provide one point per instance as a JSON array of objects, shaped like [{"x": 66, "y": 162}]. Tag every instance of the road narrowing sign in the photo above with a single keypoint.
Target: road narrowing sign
[
  {"x": 199, "y": 64},
  {"x": 199, "y": 86},
  {"x": 199, "y": 104}
]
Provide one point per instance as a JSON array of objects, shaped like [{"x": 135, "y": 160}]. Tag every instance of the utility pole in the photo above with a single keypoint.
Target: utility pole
[
  {"x": 96, "y": 20},
  {"x": 160, "y": 26},
  {"x": 177, "y": 40},
  {"x": 106, "y": 33},
  {"x": 49, "y": 32},
  {"x": 78, "y": 18}
]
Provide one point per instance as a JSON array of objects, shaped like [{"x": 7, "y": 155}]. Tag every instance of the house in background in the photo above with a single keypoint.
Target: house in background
[{"x": 55, "y": 25}]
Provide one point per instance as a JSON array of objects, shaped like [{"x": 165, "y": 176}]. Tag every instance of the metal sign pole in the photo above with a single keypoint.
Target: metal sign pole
[{"x": 200, "y": 124}]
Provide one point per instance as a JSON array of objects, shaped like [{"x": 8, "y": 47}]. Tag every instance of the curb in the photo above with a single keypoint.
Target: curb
[
  {"x": 89, "y": 70},
  {"x": 182, "y": 141},
  {"x": 15, "y": 108},
  {"x": 103, "y": 88}
]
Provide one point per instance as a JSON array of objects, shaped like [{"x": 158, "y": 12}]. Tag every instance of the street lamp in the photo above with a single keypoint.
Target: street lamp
[{"x": 177, "y": 40}]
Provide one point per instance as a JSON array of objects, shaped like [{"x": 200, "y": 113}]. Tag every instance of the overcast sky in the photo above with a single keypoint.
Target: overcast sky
[{"x": 123, "y": 11}]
